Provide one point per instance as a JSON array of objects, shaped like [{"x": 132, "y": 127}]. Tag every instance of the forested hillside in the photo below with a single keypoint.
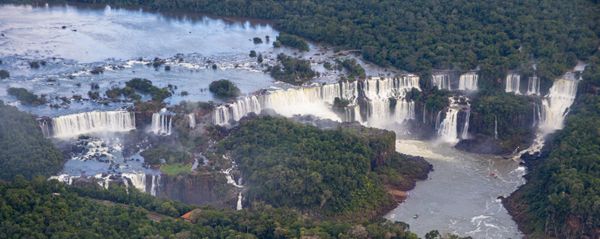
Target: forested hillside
[
  {"x": 49, "y": 209},
  {"x": 562, "y": 196},
  {"x": 328, "y": 172},
  {"x": 23, "y": 148}
]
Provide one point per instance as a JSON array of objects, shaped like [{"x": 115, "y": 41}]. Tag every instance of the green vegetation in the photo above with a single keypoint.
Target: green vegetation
[
  {"x": 26, "y": 97},
  {"x": 23, "y": 148},
  {"x": 292, "y": 70},
  {"x": 354, "y": 70},
  {"x": 145, "y": 86},
  {"x": 4, "y": 74},
  {"x": 418, "y": 36},
  {"x": 164, "y": 154},
  {"x": 44, "y": 209},
  {"x": 561, "y": 196},
  {"x": 513, "y": 114},
  {"x": 224, "y": 89},
  {"x": 334, "y": 172},
  {"x": 339, "y": 104},
  {"x": 252, "y": 53},
  {"x": 127, "y": 92},
  {"x": 176, "y": 169},
  {"x": 292, "y": 41}
]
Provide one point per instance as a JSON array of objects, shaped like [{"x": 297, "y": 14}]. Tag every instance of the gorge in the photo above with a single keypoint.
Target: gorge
[{"x": 472, "y": 126}]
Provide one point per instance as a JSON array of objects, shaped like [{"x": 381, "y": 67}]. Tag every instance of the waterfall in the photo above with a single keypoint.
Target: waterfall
[
  {"x": 138, "y": 180},
  {"x": 468, "y": 82},
  {"x": 555, "y": 107},
  {"x": 437, "y": 120},
  {"x": 384, "y": 97},
  {"x": 162, "y": 122},
  {"x": 155, "y": 185},
  {"x": 537, "y": 114},
  {"x": 448, "y": 128},
  {"x": 533, "y": 86},
  {"x": 64, "y": 178},
  {"x": 513, "y": 83},
  {"x": 192, "y": 120},
  {"x": 239, "y": 202},
  {"x": 441, "y": 81},
  {"x": 45, "y": 129},
  {"x": 495, "y": 127},
  {"x": 556, "y": 104},
  {"x": 465, "y": 132},
  {"x": 92, "y": 122}
]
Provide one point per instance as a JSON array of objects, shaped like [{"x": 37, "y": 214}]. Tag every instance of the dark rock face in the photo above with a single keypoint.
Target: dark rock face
[
  {"x": 199, "y": 189},
  {"x": 482, "y": 145}
]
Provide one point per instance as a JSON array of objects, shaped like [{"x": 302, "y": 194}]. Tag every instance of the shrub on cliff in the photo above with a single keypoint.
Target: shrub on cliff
[{"x": 224, "y": 89}]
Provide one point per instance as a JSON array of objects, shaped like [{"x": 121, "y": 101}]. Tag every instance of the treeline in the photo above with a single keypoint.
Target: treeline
[
  {"x": 23, "y": 148},
  {"x": 561, "y": 198},
  {"x": 326, "y": 172},
  {"x": 418, "y": 36},
  {"x": 49, "y": 209}
]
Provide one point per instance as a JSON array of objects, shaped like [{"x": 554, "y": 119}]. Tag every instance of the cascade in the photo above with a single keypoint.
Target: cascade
[
  {"x": 155, "y": 185},
  {"x": 92, "y": 122},
  {"x": 465, "y": 132},
  {"x": 495, "y": 127},
  {"x": 161, "y": 122},
  {"x": 513, "y": 83},
  {"x": 468, "y": 82},
  {"x": 556, "y": 104},
  {"x": 447, "y": 130},
  {"x": 104, "y": 180},
  {"x": 441, "y": 81},
  {"x": 138, "y": 180},
  {"x": 64, "y": 178},
  {"x": 533, "y": 86},
  {"x": 536, "y": 114},
  {"x": 379, "y": 93},
  {"x": 239, "y": 202},
  {"x": 44, "y": 127},
  {"x": 437, "y": 120},
  {"x": 192, "y": 120},
  {"x": 554, "y": 109}
]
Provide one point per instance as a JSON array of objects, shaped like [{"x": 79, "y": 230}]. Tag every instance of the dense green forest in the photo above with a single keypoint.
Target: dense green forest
[
  {"x": 562, "y": 196},
  {"x": 418, "y": 36},
  {"x": 49, "y": 209},
  {"x": 23, "y": 148},
  {"x": 287, "y": 164}
]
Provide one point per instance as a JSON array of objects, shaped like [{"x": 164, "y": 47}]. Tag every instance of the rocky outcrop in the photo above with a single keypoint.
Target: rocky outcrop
[{"x": 198, "y": 189}]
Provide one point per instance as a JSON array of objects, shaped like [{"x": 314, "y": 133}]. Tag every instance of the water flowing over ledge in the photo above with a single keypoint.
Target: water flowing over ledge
[
  {"x": 372, "y": 101},
  {"x": 72, "y": 125}
]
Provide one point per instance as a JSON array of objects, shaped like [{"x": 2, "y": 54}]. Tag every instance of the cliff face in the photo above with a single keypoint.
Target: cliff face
[{"x": 198, "y": 189}]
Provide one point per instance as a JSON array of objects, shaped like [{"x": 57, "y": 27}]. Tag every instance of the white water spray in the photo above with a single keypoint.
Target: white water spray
[{"x": 92, "y": 122}]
